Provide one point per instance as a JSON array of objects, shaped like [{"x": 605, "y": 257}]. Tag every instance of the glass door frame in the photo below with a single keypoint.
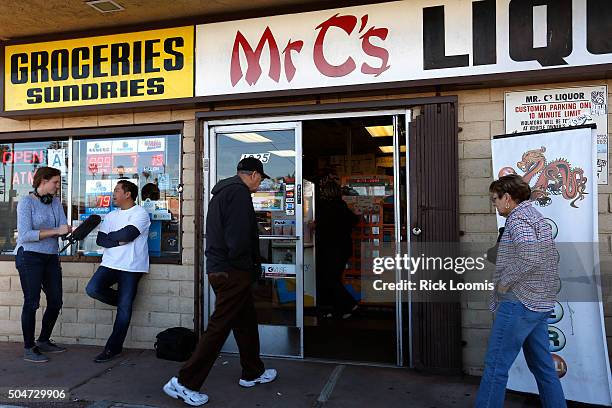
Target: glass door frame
[
  {"x": 210, "y": 133},
  {"x": 281, "y": 122}
]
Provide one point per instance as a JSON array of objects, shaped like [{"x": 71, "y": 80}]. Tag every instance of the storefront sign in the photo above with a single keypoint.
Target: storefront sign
[
  {"x": 399, "y": 41},
  {"x": 142, "y": 66},
  {"x": 556, "y": 108}
]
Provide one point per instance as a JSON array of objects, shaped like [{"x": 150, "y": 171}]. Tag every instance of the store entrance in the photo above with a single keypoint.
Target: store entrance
[
  {"x": 350, "y": 163},
  {"x": 337, "y": 183}
]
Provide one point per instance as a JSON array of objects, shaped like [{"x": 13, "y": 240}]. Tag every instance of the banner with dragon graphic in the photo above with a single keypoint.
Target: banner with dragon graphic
[{"x": 560, "y": 167}]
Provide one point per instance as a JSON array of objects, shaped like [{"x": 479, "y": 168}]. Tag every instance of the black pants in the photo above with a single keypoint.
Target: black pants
[
  {"x": 39, "y": 271},
  {"x": 330, "y": 289},
  {"x": 235, "y": 311}
]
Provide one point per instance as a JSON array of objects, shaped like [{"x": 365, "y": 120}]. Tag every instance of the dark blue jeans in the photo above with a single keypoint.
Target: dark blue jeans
[
  {"x": 514, "y": 327},
  {"x": 39, "y": 271},
  {"x": 99, "y": 287}
]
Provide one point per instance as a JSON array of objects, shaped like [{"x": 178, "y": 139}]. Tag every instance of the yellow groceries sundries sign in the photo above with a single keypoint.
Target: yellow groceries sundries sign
[{"x": 133, "y": 67}]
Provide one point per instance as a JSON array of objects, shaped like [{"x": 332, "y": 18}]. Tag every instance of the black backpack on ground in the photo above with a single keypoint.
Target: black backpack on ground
[{"x": 175, "y": 344}]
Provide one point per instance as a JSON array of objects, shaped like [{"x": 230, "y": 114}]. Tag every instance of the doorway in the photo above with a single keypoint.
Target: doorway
[
  {"x": 350, "y": 162},
  {"x": 360, "y": 153}
]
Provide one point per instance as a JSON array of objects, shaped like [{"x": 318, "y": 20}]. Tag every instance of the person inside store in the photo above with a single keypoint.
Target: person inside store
[
  {"x": 333, "y": 230},
  {"x": 123, "y": 234},
  {"x": 150, "y": 191},
  {"x": 233, "y": 265},
  {"x": 526, "y": 276},
  {"x": 40, "y": 221}
]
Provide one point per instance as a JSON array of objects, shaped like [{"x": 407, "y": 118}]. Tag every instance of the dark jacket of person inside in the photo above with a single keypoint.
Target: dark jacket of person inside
[{"x": 335, "y": 222}]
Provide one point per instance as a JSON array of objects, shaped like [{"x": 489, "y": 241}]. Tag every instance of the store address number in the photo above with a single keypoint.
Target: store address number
[{"x": 262, "y": 157}]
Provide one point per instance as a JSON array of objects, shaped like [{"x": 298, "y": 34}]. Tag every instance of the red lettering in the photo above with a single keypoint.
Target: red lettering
[
  {"x": 375, "y": 51},
  {"x": 346, "y": 23},
  {"x": 289, "y": 65},
  {"x": 38, "y": 157},
  {"x": 27, "y": 157},
  {"x": 18, "y": 156},
  {"x": 254, "y": 58},
  {"x": 7, "y": 157}
]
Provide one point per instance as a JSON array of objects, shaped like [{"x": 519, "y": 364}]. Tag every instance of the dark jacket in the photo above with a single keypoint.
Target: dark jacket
[
  {"x": 335, "y": 222},
  {"x": 232, "y": 239}
]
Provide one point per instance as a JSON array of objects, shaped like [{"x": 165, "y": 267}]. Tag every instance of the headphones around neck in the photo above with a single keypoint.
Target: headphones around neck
[{"x": 45, "y": 199}]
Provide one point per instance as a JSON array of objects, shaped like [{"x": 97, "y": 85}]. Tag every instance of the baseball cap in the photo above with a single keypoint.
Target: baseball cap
[{"x": 252, "y": 164}]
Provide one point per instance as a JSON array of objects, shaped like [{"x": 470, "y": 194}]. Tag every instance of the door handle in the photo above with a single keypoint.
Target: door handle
[
  {"x": 280, "y": 237},
  {"x": 416, "y": 231}
]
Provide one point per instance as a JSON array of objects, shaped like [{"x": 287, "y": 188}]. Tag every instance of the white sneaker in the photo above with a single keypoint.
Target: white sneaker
[
  {"x": 174, "y": 389},
  {"x": 268, "y": 376}
]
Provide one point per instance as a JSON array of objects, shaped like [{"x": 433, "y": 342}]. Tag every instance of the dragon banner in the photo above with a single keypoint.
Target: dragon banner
[{"x": 559, "y": 165}]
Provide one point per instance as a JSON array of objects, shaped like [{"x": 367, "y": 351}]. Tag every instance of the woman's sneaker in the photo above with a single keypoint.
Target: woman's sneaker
[
  {"x": 34, "y": 355},
  {"x": 268, "y": 376},
  {"x": 174, "y": 389},
  {"x": 50, "y": 346}
]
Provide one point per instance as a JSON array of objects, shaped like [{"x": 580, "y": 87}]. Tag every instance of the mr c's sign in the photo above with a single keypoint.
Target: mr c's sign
[{"x": 399, "y": 42}]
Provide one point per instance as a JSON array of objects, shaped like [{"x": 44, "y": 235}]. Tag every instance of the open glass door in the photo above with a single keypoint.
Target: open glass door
[{"x": 278, "y": 206}]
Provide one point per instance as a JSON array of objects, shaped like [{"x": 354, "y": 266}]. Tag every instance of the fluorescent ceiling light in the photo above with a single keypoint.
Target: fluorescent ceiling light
[
  {"x": 105, "y": 6},
  {"x": 248, "y": 137},
  {"x": 283, "y": 153},
  {"x": 389, "y": 149},
  {"x": 380, "y": 131}
]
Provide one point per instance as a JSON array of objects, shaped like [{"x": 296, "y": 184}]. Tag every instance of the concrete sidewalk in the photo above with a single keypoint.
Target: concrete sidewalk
[{"x": 135, "y": 380}]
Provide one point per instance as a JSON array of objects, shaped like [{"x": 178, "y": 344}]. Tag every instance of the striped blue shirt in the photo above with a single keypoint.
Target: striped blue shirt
[
  {"x": 33, "y": 216},
  {"x": 527, "y": 260}
]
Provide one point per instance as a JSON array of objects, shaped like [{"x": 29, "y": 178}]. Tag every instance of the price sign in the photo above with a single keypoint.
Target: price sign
[{"x": 99, "y": 164}]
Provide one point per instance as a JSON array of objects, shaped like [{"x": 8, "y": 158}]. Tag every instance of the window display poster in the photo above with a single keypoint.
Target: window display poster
[
  {"x": 157, "y": 144},
  {"x": 125, "y": 146},
  {"x": 100, "y": 147},
  {"x": 56, "y": 158},
  {"x": 98, "y": 196},
  {"x": 535, "y": 110}
]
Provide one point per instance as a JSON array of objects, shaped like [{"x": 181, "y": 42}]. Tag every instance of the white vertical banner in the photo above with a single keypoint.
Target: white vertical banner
[{"x": 559, "y": 165}]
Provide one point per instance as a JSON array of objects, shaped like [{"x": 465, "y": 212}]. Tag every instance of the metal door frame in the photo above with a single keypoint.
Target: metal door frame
[
  {"x": 281, "y": 123},
  {"x": 211, "y": 130}
]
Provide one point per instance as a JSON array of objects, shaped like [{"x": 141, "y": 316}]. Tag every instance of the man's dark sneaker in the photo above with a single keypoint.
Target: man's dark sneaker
[
  {"x": 105, "y": 356},
  {"x": 50, "y": 346},
  {"x": 34, "y": 355}
]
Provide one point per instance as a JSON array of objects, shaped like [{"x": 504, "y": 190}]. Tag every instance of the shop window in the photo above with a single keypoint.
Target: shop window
[
  {"x": 152, "y": 162},
  {"x": 19, "y": 163}
]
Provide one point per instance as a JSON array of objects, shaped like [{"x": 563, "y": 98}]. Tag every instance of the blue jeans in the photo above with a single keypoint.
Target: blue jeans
[
  {"x": 39, "y": 271},
  {"x": 99, "y": 287},
  {"x": 514, "y": 327}
]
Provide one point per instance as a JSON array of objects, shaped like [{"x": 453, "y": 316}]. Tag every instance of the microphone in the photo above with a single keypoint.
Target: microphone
[{"x": 82, "y": 230}]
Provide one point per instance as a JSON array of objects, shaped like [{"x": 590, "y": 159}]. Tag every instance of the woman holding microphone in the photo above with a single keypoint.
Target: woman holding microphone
[{"x": 40, "y": 221}]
